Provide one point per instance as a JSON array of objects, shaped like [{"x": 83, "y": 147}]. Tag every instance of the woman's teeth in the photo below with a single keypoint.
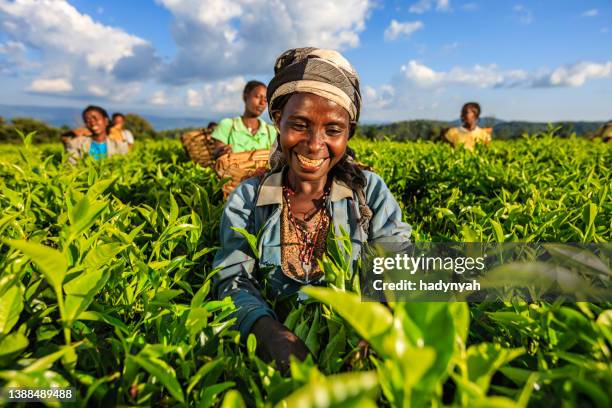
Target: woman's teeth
[{"x": 309, "y": 162}]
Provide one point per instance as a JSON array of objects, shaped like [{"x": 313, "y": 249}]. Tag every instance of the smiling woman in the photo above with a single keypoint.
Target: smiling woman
[
  {"x": 97, "y": 144},
  {"x": 314, "y": 189}
]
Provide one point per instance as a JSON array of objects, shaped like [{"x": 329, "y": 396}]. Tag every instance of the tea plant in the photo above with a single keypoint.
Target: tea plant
[{"x": 105, "y": 285}]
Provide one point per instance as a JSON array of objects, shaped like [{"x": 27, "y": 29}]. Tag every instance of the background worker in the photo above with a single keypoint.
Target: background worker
[
  {"x": 605, "y": 132},
  {"x": 98, "y": 145},
  {"x": 469, "y": 134},
  {"x": 119, "y": 132},
  {"x": 249, "y": 131}
]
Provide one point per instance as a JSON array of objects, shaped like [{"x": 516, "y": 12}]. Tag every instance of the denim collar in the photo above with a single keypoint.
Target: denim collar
[{"x": 271, "y": 190}]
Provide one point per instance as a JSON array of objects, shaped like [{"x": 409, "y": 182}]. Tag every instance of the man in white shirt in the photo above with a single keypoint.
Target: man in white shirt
[{"x": 118, "y": 121}]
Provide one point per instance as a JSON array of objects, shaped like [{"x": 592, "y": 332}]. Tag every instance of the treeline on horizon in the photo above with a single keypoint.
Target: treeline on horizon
[
  {"x": 433, "y": 130},
  {"x": 408, "y": 130},
  {"x": 45, "y": 133}
]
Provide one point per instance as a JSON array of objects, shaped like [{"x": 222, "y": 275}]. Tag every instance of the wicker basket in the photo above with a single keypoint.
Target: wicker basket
[
  {"x": 240, "y": 166},
  {"x": 199, "y": 146}
]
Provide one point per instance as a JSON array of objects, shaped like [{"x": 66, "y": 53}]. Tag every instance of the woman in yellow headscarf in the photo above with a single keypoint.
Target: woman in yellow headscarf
[{"x": 470, "y": 133}]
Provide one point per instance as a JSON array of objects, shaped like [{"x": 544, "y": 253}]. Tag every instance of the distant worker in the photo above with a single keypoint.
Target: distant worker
[
  {"x": 469, "y": 134},
  {"x": 605, "y": 132},
  {"x": 119, "y": 133},
  {"x": 98, "y": 145},
  {"x": 249, "y": 131}
]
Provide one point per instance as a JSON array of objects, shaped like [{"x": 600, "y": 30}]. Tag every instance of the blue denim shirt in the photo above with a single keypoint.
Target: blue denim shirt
[{"x": 255, "y": 206}]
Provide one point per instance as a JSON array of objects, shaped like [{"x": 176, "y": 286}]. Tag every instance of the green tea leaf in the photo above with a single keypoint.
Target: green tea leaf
[
  {"x": 208, "y": 397},
  {"x": 371, "y": 320},
  {"x": 51, "y": 263},
  {"x": 589, "y": 213},
  {"x": 334, "y": 390},
  {"x": 44, "y": 363},
  {"x": 163, "y": 372},
  {"x": 233, "y": 399},
  {"x": 497, "y": 229},
  {"x": 11, "y": 346},
  {"x": 103, "y": 317},
  {"x": 83, "y": 216},
  {"x": 11, "y": 305},
  {"x": 81, "y": 291},
  {"x": 203, "y": 371},
  {"x": 604, "y": 322},
  {"x": 484, "y": 359}
]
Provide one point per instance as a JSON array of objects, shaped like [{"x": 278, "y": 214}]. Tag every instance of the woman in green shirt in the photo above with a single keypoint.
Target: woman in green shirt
[{"x": 249, "y": 131}]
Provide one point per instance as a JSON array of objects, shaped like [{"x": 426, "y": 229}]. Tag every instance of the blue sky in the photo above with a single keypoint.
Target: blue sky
[{"x": 528, "y": 60}]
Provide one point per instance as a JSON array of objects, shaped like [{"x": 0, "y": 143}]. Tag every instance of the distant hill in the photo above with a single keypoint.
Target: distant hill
[
  {"x": 71, "y": 117},
  {"x": 432, "y": 129},
  {"x": 173, "y": 126}
]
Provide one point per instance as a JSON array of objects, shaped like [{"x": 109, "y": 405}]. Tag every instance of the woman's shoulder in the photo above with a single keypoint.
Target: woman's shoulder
[
  {"x": 78, "y": 141},
  {"x": 226, "y": 122},
  {"x": 372, "y": 178},
  {"x": 375, "y": 188},
  {"x": 245, "y": 194},
  {"x": 454, "y": 130}
]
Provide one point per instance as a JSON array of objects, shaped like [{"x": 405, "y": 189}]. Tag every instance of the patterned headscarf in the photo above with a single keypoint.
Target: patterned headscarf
[{"x": 318, "y": 71}]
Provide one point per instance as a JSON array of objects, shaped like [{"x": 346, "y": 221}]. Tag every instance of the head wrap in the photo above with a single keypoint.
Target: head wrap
[{"x": 318, "y": 71}]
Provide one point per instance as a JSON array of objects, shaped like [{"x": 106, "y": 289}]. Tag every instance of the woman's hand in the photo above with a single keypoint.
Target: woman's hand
[{"x": 276, "y": 342}]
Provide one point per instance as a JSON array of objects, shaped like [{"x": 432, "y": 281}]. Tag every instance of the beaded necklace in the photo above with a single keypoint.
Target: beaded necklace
[{"x": 306, "y": 240}]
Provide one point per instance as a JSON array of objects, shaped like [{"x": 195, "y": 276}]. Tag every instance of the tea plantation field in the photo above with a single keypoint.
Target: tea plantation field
[{"x": 105, "y": 285}]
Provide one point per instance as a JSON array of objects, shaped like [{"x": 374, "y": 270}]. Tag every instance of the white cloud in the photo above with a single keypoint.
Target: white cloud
[
  {"x": 12, "y": 47},
  {"x": 492, "y": 76},
  {"x": 220, "y": 39},
  {"x": 443, "y": 5},
  {"x": 194, "y": 98},
  {"x": 50, "y": 85},
  {"x": 218, "y": 97},
  {"x": 159, "y": 98},
  {"x": 14, "y": 60},
  {"x": 425, "y": 5},
  {"x": 97, "y": 90},
  {"x": 378, "y": 98},
  {"x": 591, "y": 13},
  {"x": 216, "y": 40},
  {"x": 421, "y": 91},
  {"x": 604, "y": 30},
  {"x": 525, "y": 16},
  {"x": 578, "y": 74},
  {"x": 73, "y": 46},
  {"x": 56, "y": 26},
  {"x": 406, "y": 29}
]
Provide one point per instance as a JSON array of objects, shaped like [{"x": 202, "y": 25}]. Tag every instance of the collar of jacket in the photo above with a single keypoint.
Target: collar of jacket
[{"x": 271, "y": 190}]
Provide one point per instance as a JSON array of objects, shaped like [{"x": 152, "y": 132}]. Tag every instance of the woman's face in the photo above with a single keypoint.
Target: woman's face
[
  {"x": 469, "y": 116},
  {"x": 96, "y": 122},
  {"x": 255, "y": 102},
  {"x": 314, "y": 132}
]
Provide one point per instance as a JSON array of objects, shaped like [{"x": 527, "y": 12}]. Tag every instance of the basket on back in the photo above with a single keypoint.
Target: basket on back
[
  {"x": 240, "y": 166},
  {"x": 199, "y": 146}
]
